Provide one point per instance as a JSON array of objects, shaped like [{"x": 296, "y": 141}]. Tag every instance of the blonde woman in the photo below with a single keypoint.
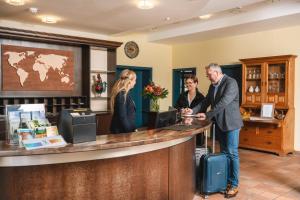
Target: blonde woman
[{"x": 122, "y": 105}]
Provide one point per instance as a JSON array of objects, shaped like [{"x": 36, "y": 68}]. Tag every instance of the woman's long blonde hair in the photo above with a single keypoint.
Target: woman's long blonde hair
[{"x": 123, "y": 83}]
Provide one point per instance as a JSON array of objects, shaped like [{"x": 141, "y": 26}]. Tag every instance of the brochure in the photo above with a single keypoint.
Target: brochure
[
  {"x": 40, "y": 132},
  {"x": 38, "y": 123},
  {"x": 25, "y": 116},
  {"x": 51, "y": 131},
  {"x": 36, "y": 115},
  {"x": 24, "y": 134},
  {"x": 47, "y": 142}
]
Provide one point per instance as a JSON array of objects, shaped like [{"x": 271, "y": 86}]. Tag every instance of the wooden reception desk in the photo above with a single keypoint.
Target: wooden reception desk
[{"x": 153, "y": 164}]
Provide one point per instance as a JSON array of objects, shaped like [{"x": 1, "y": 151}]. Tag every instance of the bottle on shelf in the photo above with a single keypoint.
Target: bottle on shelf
[
  {"x": 251, "y": 89},
  {"x": 249, "y": 74},
  {"x": 257, "y": 89}
]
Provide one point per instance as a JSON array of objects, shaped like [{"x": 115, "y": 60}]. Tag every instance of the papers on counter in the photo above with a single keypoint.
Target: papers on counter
[{"x": 47, "y": 142}]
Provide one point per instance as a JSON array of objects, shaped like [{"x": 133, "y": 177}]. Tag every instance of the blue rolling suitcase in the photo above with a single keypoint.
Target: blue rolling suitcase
[{"x": 213, "y": 171}]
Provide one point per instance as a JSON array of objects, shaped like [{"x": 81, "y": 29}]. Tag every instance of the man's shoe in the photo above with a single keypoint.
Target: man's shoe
[
  {"x": 228, "y": 187},
  {"x": 232, "y": 192}
]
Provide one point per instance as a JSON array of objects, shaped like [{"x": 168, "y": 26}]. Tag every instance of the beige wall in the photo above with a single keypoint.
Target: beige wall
[
  {"x": 162, "y": 58},
  {"x": 229, "y": 50},
  {"x": 157, "y": 56}
]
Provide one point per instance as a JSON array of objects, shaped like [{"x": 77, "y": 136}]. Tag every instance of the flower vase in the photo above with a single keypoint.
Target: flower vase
[{"x": 154, "y": 105}]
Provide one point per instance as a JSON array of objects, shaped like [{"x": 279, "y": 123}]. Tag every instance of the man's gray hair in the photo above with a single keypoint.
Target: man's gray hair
[{"x": 214, "y": 66}]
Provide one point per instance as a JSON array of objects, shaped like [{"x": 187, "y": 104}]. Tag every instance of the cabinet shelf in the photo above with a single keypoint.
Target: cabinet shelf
[
  {"x": 253, "y": 93},
  {"x": 52, "y": 104},
  {"x": 102, "y": 71},
  {"x": 276, "y": 79},
  {"x": 267, "y": 121},
  {"x": 104, "y": 98},
  {"x": 253, "y": 79},
  {"x": 277, "y": 83}
]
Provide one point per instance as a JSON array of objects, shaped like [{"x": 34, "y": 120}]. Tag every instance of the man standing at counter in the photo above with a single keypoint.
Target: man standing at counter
[{"x": 223, "y": 97}]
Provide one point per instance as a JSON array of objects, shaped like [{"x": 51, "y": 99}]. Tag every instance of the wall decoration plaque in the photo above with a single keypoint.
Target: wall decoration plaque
[{"x": 36, "y": 69}]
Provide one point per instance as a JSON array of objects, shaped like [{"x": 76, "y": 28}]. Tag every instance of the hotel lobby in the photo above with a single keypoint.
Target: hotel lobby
[{"x": 66, "y": 55}]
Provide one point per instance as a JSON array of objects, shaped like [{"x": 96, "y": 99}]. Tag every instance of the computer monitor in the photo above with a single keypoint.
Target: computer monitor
[{"x": 166, "y": 118}]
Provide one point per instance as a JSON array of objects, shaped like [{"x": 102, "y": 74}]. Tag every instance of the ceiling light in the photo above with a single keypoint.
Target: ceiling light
[
  {"x": 33, "y": 10},
  {"x": 167, "y": 18},
  {"x": 205, "y": 16},
  {"x": 236, "y": 10},
  {"x": 15, "y": 2},
  {"x": 145, "y": 4},
  {"x": 49, "y": 19}
]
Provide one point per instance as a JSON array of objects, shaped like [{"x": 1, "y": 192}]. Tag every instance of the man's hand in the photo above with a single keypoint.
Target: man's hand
[
  {"x": 186, "y": 111},
  {"x": 201, "y": 116},
  {"x": 188, "y": 121}
]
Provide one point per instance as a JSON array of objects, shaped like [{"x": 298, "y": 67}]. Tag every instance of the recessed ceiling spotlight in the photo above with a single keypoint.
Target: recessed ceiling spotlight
[
  {"x": 236, "y": 10},
  {"x": 49, "y": 19},
  {"x": 273, "y": 1},
  {"x": 205, "y": 16},
  {"x": 167, "y": 18},
  {"x": 15, "y": 2},
  {"x": 33, "y": 10},
  {"x": 145, "y": 4}
]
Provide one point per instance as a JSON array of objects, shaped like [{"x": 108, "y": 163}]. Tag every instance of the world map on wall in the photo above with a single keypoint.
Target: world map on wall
[{"x": 27, "y": 68}]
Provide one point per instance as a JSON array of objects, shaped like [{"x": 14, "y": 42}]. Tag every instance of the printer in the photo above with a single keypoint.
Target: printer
[{"x": 77, "y": 125}]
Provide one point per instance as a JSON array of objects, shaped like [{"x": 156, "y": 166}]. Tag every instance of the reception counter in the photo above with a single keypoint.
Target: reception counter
[{"x": 152, "y": 164}]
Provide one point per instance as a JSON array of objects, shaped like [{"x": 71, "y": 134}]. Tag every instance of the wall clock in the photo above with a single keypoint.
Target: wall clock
[{"x": 131, "y": 49}]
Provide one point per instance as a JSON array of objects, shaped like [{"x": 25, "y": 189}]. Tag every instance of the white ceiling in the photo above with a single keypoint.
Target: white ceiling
[{"x": 121, "y": 17}]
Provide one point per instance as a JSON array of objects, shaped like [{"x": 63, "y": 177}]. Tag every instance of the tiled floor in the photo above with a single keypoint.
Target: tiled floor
[{"x": 265, "y": 176}]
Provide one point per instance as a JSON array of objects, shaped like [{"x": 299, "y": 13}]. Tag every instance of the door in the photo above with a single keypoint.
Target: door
[
  {"x": 234, "y": 71},
  {"x": 178, "y": 81},
  {"x": 143, "y": 77}
]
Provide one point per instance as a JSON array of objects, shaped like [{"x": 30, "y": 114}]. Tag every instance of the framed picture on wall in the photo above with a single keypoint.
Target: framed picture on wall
[
  {"x": 267, "y": 110},
  {"x": 36, "y": 69}
]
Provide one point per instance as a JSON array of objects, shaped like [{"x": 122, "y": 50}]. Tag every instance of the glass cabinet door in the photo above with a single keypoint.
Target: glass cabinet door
[
  {"x": 276, "y": 83},
  {"x": 253, "y": 83}
]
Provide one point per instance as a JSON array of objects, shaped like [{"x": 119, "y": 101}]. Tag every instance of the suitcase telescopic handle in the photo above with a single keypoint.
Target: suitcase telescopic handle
[
  {"x": 214, "y": 137},
  {"x": 206, "y": 135}
]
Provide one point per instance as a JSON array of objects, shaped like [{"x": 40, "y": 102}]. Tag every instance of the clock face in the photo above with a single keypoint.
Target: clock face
[{"x": 131, "y": 49}]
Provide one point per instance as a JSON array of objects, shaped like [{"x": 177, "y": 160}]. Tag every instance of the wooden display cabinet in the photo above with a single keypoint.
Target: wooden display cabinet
[{"x": 269, "y": 80}]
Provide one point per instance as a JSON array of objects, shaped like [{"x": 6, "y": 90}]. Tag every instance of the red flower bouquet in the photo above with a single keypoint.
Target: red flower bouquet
[{"x": 155, "y": 92}]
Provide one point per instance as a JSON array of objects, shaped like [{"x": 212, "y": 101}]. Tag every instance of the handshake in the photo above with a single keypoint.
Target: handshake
[{"x": 189, "y": 112}]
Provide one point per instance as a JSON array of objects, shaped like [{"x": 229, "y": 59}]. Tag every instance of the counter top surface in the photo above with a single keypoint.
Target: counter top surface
[{"x": 113, "y": 141}]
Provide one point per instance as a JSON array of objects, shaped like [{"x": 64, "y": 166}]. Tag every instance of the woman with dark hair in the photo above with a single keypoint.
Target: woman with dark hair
[
  {"x": 192, "y": 97},
  {"x": 189, "y": 99}
]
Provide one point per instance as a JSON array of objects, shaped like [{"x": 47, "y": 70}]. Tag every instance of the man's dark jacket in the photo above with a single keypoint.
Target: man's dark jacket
[{"x": 224, "y": 107}]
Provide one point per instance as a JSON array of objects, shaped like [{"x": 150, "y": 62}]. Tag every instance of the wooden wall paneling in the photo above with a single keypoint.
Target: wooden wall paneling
[
  {"x": 111, "y": 67},
  {"x": 2, "y": 128},
  {"x": 35, "y": 36},
  {"x": 81, "y": 85},
  {"x": 86, "y": 65},
  {"x": 103, "y": 123}
]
